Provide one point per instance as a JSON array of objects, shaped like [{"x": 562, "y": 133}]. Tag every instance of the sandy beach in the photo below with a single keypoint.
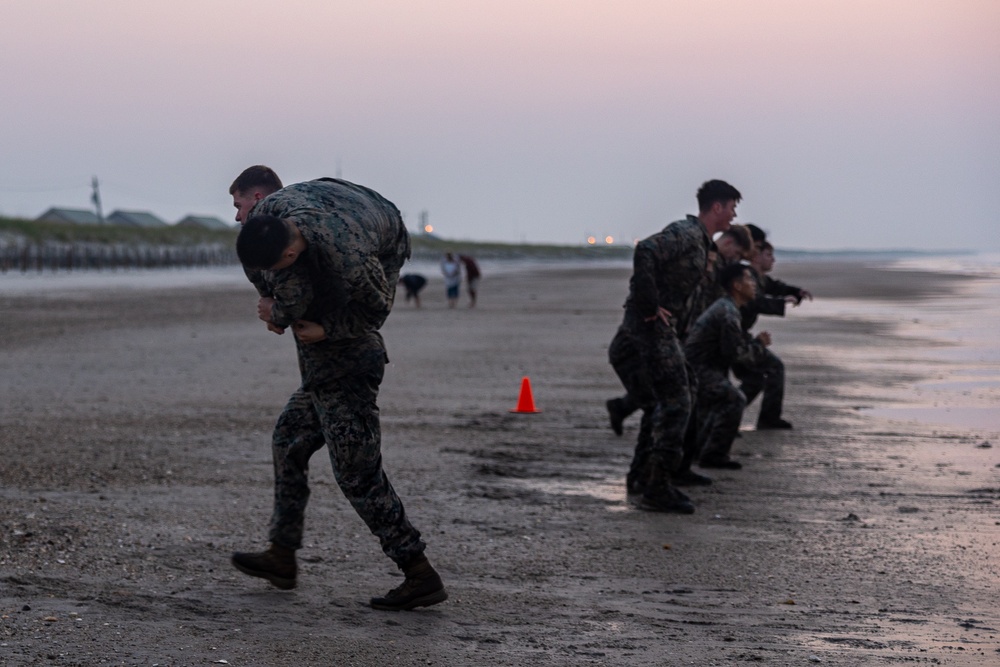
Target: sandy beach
[{"x": 135, "y": 457}]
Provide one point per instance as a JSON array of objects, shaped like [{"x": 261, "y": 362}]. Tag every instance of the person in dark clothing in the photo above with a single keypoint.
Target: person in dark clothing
[
  {"x": 646, "y": 353},
  {"x": 767, "y": 374},
  {"x": 472, "y": 276},
  {"x": 413, "y": 283},
  {"x": 325, "y": 258},
  {"x": 714, "y": 343}
]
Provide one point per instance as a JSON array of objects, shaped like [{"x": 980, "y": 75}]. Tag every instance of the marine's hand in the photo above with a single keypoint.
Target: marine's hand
[
  {"x": 264, "y": 305},
  {"x": 765, "y": 338},
  {"x": 805, "y": 294},
  {"x": 661, "y": 314},
  {"x": 308, "y": 332},
  {"x": 275, "y": 328}
]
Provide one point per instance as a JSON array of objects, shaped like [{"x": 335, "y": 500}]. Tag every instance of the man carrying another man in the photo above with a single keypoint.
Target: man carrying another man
[{"x": 325, "y": 257}]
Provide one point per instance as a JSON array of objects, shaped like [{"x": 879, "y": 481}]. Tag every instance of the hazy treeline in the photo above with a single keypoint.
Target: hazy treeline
[
  {"x": 57, "y": 256},
  {"x": 29, "y": 245}
]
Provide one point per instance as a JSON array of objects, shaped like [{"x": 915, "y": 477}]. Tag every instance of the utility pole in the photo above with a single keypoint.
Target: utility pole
[{"x": 96, "y": 198}]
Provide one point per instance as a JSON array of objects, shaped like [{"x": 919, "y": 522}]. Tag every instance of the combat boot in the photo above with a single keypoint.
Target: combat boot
[
  {"x": 688, "y": 477},
  {"x": 778, "y": 424},
  {"x": 720, "y": 462},
  {"x": 421, "y": 588},
  {"x": 659, "y": 495},
  {"x": 277, "y": 565}
]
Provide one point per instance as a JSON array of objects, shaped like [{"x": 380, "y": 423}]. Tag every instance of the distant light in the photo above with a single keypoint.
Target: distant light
[
  {"x": 609, "y": 239},
  {"x": 428, "y": 229},
  {"x": 591, "y": 240}
]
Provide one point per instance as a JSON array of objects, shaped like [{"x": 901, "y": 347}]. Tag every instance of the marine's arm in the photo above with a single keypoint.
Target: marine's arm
[
  {"x": 775, "y": 287},
  {"x": 291, "y": 295}
]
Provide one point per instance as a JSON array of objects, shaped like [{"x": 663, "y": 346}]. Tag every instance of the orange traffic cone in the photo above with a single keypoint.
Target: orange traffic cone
[{"x": 526, "y": 402}]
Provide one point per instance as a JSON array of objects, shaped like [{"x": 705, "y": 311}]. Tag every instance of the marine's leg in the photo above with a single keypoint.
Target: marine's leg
[
  {"x": 297, "y": 435},
  {"x": 722, "y": 405},
  {"x": 662, "y": 355},
  {"x": 751, "y": 379},
  {"x": 684, "y": 475},
  {"x": 640, "y": 459},
  {"x": 774, "y": 394},
  {"x": 350, "y": 419},
  {"x": 627, "y": 363},
  {"x": 634, "y": 375}
]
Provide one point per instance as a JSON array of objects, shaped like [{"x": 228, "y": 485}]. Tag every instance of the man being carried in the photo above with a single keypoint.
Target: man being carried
[
  {"x": 646, "y": 352},
  {"x": 328, "y": 255}
]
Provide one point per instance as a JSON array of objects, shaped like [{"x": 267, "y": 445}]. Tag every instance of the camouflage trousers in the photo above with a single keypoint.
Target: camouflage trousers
[
  {"x": 769, "y": 376},
  {"x": 649, "y": 361},
  {"x": 340, "y": 412},
  {"x": 719, "y": 408}
]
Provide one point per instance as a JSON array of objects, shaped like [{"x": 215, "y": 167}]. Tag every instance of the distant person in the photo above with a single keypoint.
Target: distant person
[
  {"x": 451, "y": 269},
  {"x": 413, "y": 283},
  {"x": 646, "y": 352},
  {"x": 767, "y": 373},
  {"x": 472, "y": 275},
  {"x": 350, "y": 244},
  {"x": 714, "y": 343}
]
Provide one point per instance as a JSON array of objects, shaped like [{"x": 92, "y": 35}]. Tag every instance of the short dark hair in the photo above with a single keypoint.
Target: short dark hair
[
  {"x": 261, "y": 241},
  {"x": 257, "y": 176},
  {"x": 741, "y": 235},
  {"x": 758, "y": 234},
  {"x": 716, "y": 191},
  {"x": 730, "y": 273},
  {"x": 766, "y": 245}
]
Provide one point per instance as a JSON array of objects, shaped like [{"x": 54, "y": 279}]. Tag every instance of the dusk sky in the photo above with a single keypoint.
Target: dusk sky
[{"x": 869, "y": 124}]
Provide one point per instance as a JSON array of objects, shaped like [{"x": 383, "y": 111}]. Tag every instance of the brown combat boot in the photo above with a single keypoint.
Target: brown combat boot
[
  {"x": 421, "y": 588},
  {"x": 277, "y": 565}
]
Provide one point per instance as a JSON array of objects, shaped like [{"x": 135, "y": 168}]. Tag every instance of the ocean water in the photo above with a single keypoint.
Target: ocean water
[{"x": 961, "y": 342}]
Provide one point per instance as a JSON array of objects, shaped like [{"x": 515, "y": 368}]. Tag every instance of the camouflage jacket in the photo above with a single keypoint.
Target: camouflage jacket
[
  {"x": 345, "y": 279},
  {"x": 708, "y": 291},
  {"x": 716, "y": 340},
  {"x": 667, "y": 268}
]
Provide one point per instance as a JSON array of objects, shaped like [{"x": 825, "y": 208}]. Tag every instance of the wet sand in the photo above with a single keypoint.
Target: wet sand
[{"x": 135, "y": 458}]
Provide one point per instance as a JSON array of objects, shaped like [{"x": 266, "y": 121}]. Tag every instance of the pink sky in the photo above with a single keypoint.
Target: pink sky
[{"x": 844, "y": 124}]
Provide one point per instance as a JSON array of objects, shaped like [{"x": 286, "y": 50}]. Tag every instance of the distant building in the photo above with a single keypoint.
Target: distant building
[
  {"x": 74, "y": 216},
  {"x": 205, "y": 221},
  {"x": 135, "y": 219}
]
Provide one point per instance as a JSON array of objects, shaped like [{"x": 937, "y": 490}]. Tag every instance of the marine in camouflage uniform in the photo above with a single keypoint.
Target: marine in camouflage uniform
[
  {"x": 646, "y": 353},
  {"x": 765, "y": 373},
  {"x": 714, "y": 343},
  {"x": 344, "y": 280}
]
